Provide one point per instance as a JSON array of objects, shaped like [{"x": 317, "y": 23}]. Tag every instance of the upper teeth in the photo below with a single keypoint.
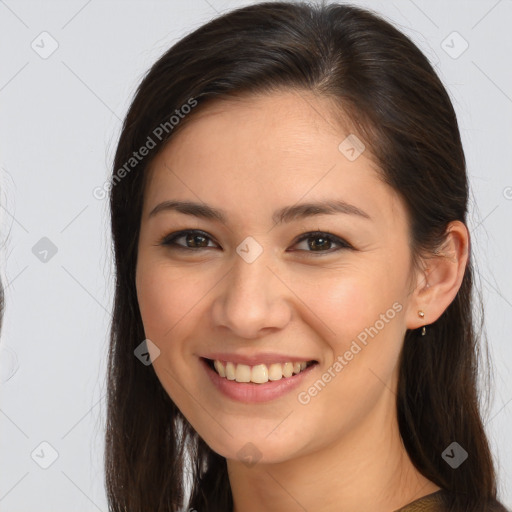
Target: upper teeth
[{"x": 258, "y": 374}]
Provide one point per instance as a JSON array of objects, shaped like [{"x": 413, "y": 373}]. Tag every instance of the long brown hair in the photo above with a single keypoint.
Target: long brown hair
[{"x": 388, "y": 90}]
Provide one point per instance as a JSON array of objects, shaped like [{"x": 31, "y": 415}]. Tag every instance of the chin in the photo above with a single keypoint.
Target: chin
[{"x": 252, "y": 450}]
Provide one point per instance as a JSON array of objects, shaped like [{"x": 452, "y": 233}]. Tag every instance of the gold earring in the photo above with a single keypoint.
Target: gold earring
[{"x": 423, "y": 329}]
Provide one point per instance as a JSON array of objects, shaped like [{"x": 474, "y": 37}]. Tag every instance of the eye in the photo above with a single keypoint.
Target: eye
[
  {"x": 197, "y": 239},
  {"x": 320, "y": 241},
  {"x": 316, "y": 241}
]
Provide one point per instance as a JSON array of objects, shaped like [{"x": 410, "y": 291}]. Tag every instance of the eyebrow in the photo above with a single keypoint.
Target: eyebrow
[{"x": 283, "y": 215}]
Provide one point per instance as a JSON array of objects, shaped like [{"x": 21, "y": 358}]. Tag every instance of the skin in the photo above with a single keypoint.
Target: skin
[{"x": 251, "y": 156}]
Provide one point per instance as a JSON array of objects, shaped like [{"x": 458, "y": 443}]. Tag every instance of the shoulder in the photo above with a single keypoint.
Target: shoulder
[
  {"x": 444, "y": 501},
  {"x": 435, "y": 502}
]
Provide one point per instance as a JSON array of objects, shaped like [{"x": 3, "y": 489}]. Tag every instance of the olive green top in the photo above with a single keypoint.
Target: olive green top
[
  {"x": 431, "y": 503},
  {"x": 435, "y": 502}
]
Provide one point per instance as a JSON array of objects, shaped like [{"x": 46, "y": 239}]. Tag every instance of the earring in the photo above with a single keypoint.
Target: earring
[{"x": 423, "y": 329}]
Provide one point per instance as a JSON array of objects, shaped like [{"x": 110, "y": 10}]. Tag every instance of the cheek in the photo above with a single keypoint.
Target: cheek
[
  {"x": 166, "y": 297},
  {"x": 364, "y": 308},
  {"x": 365, "y": 311},
  {"x": 349, "y": 302},
  {"x": 169, "y": 306}
]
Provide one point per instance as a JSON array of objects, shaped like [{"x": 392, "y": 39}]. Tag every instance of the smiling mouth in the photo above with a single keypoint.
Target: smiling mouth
[{"x": 257, "y": 374}]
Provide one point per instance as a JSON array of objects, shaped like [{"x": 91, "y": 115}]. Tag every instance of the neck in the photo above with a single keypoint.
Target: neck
[{"x": 367, "y": 469}]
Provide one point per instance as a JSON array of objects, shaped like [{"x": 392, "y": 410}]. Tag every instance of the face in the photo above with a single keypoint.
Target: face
[{"x": 252, "y": 279}]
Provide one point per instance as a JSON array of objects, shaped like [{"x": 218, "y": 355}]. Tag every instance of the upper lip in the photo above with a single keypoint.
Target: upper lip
[{"x": 255, "y": 359}]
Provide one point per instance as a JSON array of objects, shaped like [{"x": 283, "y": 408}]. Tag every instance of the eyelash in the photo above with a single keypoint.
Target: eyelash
[{"x": 170, "y": 241}]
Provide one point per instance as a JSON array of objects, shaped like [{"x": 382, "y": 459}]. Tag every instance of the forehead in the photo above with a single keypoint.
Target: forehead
[
  {"x": 268, "y": 149},
  {"x": 294, "y": 117}
]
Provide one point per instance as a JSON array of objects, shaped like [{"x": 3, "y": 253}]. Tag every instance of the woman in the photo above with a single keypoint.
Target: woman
[{"x": 288, "y": 210}]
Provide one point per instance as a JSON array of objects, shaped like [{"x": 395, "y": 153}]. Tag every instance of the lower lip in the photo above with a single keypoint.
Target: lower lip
[{"x": 249, "y": 392}]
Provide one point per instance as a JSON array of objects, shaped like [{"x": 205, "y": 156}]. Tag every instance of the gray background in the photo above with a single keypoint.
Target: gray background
[{"x": 59, "y": 123}]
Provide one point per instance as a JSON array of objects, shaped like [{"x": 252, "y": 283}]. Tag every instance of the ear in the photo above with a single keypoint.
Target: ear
[{"x": 439, "y": 281}]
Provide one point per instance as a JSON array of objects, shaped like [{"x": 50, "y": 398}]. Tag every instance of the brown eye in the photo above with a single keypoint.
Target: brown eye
[
  {"x": 316, "y": 242},
  {"x": 193, "y": 240},
  {"x": 320, "y": 242}
]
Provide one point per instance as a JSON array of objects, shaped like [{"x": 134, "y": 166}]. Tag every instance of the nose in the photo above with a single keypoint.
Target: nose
[{"x": 252, "y": 301}]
